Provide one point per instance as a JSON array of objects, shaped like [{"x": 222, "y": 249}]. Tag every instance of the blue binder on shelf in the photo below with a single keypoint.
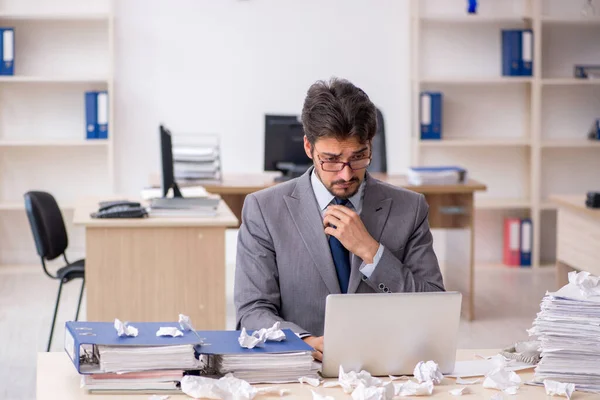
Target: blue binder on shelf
[
  {"x": 81, "y": 337},
  {"x": 7, "y": 51},
  {"x": 91, "y": 115},
  {"x": 526, "y": 239},
  {"x": 431, "y": 115},
  {"x": 517, "y": 52},
  {"x": 96, "y": 115}
]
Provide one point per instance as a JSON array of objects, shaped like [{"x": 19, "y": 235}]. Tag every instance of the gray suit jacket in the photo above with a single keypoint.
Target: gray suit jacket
[{"x": 284, "y": 268}]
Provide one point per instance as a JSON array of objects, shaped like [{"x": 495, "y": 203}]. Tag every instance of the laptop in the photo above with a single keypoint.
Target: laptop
[{"x": 389, "y": 333}]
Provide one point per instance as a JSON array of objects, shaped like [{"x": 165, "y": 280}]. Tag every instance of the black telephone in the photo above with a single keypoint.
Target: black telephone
[{"x": 120, "y": 209}]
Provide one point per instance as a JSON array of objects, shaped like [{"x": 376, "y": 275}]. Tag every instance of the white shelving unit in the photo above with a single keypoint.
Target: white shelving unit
[
  {"x": 63, "y": 48},
  {"x": 524, "y": 137}
]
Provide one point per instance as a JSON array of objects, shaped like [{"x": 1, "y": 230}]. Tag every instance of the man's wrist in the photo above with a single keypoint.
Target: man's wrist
[{"x": 370, "y": 252}]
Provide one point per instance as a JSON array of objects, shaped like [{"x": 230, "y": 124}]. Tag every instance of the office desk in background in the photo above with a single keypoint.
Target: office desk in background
[
  {"x": 152, "y": 269},
  {"x": 450, "y": 207},
  {"x": 578, "y": 237},
  {"x": 57, "y": 379}
]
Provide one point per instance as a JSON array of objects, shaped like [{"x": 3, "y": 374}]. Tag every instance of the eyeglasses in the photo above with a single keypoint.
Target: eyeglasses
[{"x": 337, "y": 166}]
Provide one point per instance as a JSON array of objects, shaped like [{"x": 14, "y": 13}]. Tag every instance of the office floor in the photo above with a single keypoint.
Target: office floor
[{"x": 506, "y": 303}]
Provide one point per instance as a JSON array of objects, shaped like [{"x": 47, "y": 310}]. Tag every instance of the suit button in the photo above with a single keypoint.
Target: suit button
[
  {"x": 381, "y": 286},
  {"x": 364, "y": 278},
  {"x": 386, "y": 289}
]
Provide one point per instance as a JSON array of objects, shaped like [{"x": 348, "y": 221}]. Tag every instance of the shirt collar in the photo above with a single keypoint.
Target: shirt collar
[{"x": 324, "y": 198}]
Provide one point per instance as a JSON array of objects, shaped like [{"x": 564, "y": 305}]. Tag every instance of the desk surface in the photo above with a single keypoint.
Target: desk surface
[
  {"x": 83, "y": 209},
  {"x": 58, "y": 379},
  {"x": 250, "y": 183},
  {"x": 575, "y": 203}
]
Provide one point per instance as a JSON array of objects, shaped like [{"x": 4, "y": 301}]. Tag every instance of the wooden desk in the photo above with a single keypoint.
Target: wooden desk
[
  {"x": 578, "y": 237},
  {"x": 152, "y": 269},
  {"x": 57, "y": 379},
  {"x": 450, "y": 207}
]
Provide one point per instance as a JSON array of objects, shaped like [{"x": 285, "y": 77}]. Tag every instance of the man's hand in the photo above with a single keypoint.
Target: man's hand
[
  {"x": 317, "y": 344},
  {"x": 351, "y": 232}
]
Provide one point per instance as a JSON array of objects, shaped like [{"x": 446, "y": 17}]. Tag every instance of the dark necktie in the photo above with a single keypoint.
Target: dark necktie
[{"x": 341, "y": 256}]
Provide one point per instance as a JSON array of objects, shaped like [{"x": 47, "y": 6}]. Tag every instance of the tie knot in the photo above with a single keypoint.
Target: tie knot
[{"x": 340, "y": 202}]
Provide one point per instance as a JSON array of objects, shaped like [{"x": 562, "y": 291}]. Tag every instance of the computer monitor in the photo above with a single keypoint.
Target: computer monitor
[
  {"x": 284, "y": 145},
  {"x": 168, "y": 174}
]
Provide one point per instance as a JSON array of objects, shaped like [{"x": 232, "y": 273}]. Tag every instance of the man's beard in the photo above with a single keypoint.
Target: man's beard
[{"x": 345, "y": 195}]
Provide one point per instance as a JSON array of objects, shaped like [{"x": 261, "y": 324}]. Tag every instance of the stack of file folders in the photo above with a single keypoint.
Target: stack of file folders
[
  {"x": 568, "y": 327},
  {"x": 276, "y": 362},
  {"x": 193, "y": 163},
  {"x": 196, "y": 202},
  {"x": 439, "y": 175},
  {"x": 148, "y": 363},
  {"x": 185, "y": 207}
]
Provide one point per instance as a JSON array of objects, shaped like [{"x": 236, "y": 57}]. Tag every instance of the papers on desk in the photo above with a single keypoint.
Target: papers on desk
[
  {"x": 149, "y": 362},
  {"x": 568, "y": 327},
  {"x": 475, "y": 368},
  {"x": 268, "y": 368},
  {"x": 196, "y": 202},
  {"x": 440, "y": 175},
  {"x": 132, "y": 381},
  {"x": 142, "y": 358}
]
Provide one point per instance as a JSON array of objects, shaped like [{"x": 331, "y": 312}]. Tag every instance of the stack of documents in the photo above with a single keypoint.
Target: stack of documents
[
  {"x": 143, "y": 358},
  {"x": 275, "y": 362},
  {"x": 268, "y": 368},
  {"x": 196, "y": 202},
  {"x": 436, "y": 175},
  {"x": 185, "y": 207},
  {"x": 144, "y": 362},
  {"x": 134, "y": 381},
  {"x": 568, "y": 328},
  {"x": 149, "y": 363},
  {"x": 196, "y": 162}
]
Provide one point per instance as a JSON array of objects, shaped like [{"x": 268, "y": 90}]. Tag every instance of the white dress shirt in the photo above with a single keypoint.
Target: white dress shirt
[{"x": 325, "y": 198}]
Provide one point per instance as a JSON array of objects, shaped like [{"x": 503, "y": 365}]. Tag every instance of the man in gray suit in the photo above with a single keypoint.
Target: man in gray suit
[{"x": 336, "y": 229}]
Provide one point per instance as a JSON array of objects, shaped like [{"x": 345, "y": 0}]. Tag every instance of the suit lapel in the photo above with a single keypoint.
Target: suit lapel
[
  {"x": 374, "y": 214},
  {"x": 306, "y": 215}
]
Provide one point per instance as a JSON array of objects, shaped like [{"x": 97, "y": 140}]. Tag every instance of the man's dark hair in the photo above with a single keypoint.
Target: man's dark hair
[{"x": 338, "y": 109}]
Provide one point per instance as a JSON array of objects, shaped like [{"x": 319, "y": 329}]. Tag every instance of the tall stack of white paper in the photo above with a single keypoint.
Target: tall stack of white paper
[{"x": 568, "y": 327}]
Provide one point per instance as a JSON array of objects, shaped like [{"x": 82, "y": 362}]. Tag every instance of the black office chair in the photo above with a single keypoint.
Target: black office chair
[
  {"x": 379, "y": 159},
  {"x": 51, "y": 241}
]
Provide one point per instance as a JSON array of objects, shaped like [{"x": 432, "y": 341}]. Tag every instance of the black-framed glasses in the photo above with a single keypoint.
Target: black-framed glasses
[{"x": 337, "y": 166}]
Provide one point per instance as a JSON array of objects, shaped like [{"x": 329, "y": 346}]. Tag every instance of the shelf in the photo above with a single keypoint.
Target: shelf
[
  {"x": 474, "y": 19},
  {"x": 20, "y": 206},
  {"x": 502, "y": 204},
  {"x": 54, "y": 143},
  {"x": 55, "y": 79},
  {"x": 570, "y": 82},
  {"x": 473, "y": 80},
  {"x": 570, "y": 143},
  {"x": 54, "y": 17},
  {"x": 595, "y": 20},
  {"x": 514, "y": 142}
]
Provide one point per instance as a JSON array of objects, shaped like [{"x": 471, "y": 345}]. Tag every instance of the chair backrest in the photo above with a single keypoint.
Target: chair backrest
[
  {"x": 379, "y": 160},
  {"x": 47, "y": 224}
]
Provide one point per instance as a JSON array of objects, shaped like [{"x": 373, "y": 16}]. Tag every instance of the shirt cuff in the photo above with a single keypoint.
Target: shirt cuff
[{"x": 367, "y": 269}]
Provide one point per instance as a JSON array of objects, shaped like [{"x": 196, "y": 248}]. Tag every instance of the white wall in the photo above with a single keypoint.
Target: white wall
[{"x": 206, "y": 66}]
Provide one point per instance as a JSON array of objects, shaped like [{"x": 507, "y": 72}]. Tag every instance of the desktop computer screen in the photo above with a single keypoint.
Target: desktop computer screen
[
  {"x": 284, "y": 145},
  {"x": 168, "y": 175}
]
